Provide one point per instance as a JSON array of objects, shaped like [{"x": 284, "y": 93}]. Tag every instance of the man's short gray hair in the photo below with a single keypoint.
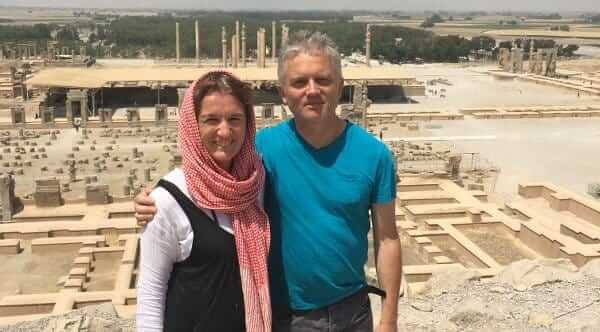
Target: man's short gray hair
[{"x": 312, "y": 43}]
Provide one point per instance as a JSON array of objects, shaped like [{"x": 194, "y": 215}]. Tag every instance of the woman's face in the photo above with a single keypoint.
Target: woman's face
[{"x": 222, "y": 125}]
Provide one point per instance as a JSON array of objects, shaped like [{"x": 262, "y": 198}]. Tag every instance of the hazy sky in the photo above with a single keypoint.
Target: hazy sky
[{"x": 515, "y": 5}]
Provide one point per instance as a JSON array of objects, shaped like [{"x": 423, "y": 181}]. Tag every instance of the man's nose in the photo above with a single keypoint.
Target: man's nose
[{"x": 313, "y": 87}]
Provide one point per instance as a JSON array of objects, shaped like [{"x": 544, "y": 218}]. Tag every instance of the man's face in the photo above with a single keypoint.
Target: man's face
[{"x": 311, "y": 88}]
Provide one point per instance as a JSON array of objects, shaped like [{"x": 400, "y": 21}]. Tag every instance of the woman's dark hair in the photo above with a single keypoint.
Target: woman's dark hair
[{"x": 223, "y": 82}]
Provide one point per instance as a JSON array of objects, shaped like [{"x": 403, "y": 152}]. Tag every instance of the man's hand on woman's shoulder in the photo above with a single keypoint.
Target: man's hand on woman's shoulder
[{"x": 144, "y": 207}]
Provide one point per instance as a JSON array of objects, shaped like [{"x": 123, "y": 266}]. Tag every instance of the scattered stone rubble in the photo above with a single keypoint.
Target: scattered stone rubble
[
  {"x": 541, "y": 295},
  {"x": 100, "y": 318}
]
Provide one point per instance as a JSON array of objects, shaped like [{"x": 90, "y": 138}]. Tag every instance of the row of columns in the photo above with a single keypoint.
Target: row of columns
[
  {"x": 31, "y": 50},
  {"x": 237, "y": 54},
  {"x": 542, "y": 62},
  {"x": 178, "y": 42}
]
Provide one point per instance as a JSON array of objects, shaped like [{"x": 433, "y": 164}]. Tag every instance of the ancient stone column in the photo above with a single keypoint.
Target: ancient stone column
[
  {"x": 258, "y": 51},
  {"x": 516, "y": 60},
  {"x": 177, "y": 52},
  {"x": 531, "y": 57},
  {"x": 237, "y": 42},
  {"x": 234, "y": 56},
  {"x": 224, "y": 46},
  {"x": 197, "y": 30},
  {"x": 284, "y": 36},
  {"x": 273, "y": 40},
  {"x": 243, "y": 45},
  {"x": 550, "y": 69},
  {"x": 368, "y": 46},
  {"x": 7, "y": 195},
  {"x": 539, "y": 62}
]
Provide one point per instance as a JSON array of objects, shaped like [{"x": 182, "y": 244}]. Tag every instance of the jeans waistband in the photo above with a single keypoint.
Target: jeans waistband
[{"x": 368, "y": 289}]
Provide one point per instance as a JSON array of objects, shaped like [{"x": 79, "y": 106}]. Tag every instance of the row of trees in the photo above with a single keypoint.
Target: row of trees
[
  {"x": 155, "y": 36},
  {"x": 11, "y": 33}
]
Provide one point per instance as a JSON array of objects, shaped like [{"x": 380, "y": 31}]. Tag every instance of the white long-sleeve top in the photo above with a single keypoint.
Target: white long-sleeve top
[{"x": 165, "y": 241}]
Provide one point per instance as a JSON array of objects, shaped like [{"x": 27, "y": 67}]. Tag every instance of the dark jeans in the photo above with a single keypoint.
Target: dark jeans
[{"x": 352, "y": 314}]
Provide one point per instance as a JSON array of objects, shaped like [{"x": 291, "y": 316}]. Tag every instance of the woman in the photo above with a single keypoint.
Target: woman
[{"x": 204, "y": 258}]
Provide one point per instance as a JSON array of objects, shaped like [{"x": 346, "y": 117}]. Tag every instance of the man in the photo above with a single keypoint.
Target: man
[{"x": 324, "y": 175}]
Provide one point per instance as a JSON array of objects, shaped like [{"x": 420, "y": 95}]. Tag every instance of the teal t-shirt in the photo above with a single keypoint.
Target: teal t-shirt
[{"x": 318, "y": 203}]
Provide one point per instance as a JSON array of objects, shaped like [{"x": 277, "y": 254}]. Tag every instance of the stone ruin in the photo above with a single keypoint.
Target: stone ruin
[
  {"x": 161, "y": 115},
  {"x": 8, "y": 200},
  {"x": 504, "y": 59},
  {"x": 133, "y": 117},
  {"x": 267, "y": 111},
  {"x": 105, "y": 115},
  {"x": 542, "y": 62},
  {"x": 97, "y": 194},
  {"x": 17, "y": 115},
  {"x": 76, "y": 106},
  {"x": 47, "y": 193},
  {"x": 47, "y": 115}
]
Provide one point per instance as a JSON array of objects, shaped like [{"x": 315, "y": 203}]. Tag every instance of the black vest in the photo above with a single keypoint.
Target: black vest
[{"x": 204, "y": 293}]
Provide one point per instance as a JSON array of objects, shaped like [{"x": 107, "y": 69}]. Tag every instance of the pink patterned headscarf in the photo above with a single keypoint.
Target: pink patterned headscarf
[{"x": 235, "y": 194}]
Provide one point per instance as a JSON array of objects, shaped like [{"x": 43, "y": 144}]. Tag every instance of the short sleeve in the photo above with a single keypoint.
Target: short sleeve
[{"x": 384, "y": 184}]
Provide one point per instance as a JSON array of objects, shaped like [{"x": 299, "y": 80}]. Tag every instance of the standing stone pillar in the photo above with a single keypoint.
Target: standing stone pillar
[
  {"x": 539, "y": 62},
  {"x": 243, "y": 45},
  {"x": 550, "y": 69},
  {"x": 1, "y": 54},
  {"x": 7, "y": 194},
  {"x": 177, "y": 52},
  {"x": 234, "y": 56},
  {"x": 531, "y": 56},
  {"x": 161, "y": 117},
  {"x": 258, "y": 62},
  {"x": 284, "y": 36},
  {"x": 516, "y": 60},
  {"x": 237, "y": 43},
  {"x": 274, "y": 40},
  {"x": 106, "y": 115},
  {"x": 368, "y": 46},
  {"x": 197, "y": 30},
  {"x": 224, "y": 46},
  {"x": 260, "y": 48}
]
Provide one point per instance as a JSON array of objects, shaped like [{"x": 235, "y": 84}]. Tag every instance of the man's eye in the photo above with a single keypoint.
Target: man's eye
[{"x": 298, "y": 84}]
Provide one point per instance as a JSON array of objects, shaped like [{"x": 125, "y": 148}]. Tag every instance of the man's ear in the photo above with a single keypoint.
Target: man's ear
[{"x": 283, "y": 98}]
